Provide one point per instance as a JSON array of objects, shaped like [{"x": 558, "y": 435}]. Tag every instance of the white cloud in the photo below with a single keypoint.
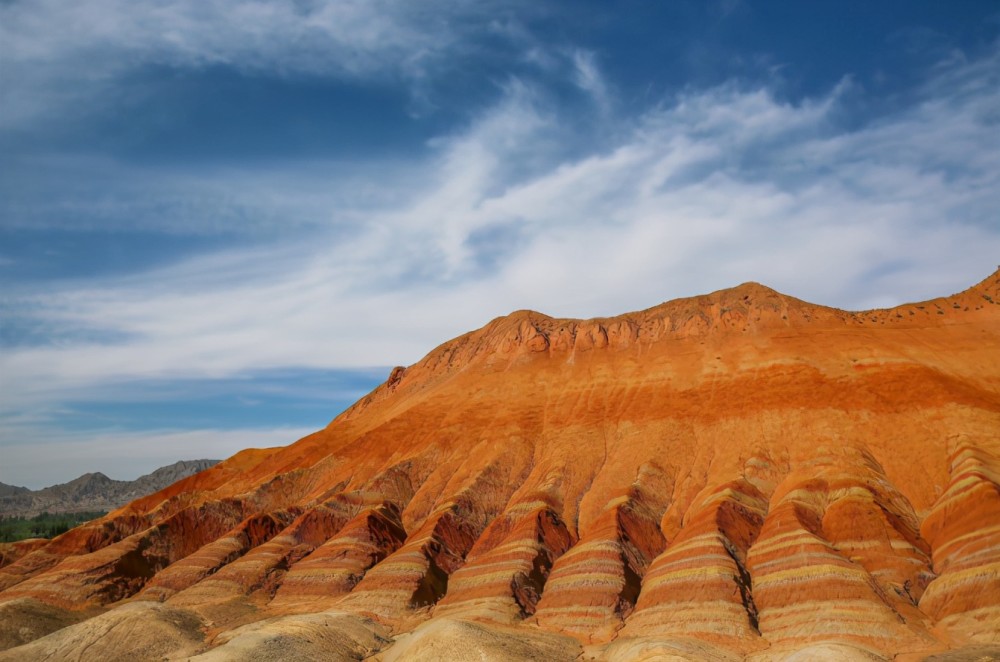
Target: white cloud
[
  {"x": 348, "y": 36},
  {"x": 711, "y": 189},
  {"x": 124, "y": 455},
  {"x": 588, "y": 78},
  {"x": 102, "y": 194},
  {"x": 58, "y": 54}
]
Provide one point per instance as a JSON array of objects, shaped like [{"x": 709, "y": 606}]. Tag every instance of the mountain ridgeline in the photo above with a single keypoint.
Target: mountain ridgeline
[
  {"x": 735, "y": 476},
  {"x": 93, "y": 491}
]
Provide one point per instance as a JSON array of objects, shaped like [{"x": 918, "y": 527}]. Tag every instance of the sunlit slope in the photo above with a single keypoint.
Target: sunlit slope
[{"x": 735, "y": 474}]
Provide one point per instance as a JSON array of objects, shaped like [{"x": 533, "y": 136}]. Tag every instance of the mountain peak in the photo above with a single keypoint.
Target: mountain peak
[
  {"x": 746, "y": 310},
  {"x": 93, "y": 491},
  {"x": 710, "y": 477}
]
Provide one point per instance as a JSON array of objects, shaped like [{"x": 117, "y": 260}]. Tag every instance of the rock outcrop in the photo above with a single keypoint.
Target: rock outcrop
[{"x": 740, "y": 475}]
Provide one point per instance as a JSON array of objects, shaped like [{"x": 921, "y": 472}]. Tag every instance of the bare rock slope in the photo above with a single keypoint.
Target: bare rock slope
[{"x": 740, "y": 475}]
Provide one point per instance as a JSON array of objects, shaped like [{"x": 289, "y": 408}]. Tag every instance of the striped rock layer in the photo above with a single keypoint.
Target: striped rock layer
[{"x": 740, "y": 474}]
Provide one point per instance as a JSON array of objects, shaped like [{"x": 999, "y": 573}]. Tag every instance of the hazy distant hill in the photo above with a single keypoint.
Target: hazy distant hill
[{"x": 93, "y": 491}]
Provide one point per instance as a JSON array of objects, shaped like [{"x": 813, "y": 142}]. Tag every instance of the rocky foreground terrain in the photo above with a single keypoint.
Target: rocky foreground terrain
[
  {"x": 93, "y": 491},
  {"x": 740, "y": 475}
]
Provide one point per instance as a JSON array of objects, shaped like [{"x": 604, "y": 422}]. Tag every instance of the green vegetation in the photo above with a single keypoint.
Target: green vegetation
[{"x": 45, "y": 525}]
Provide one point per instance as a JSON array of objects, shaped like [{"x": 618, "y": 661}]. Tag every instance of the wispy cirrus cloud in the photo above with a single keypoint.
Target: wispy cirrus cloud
[
  {"x": 588, "y": 77},
  {"x": 729, "y": 177},
  {"x": 585, "y": 207},
  {"x": 57, "y": 53}
]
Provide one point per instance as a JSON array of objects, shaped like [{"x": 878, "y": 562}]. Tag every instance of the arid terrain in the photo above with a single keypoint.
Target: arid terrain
[{"x": 739, "y": 475}]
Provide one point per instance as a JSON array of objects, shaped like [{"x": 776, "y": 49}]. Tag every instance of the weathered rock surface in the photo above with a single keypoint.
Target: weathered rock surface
[
  {"x": 141, "y": 631},
  {"x": 25, "y": 620},
  {"x": 465, "y": 641},
  {"x": 319, "y": 636},
  {"x": 740, "y": 475}
]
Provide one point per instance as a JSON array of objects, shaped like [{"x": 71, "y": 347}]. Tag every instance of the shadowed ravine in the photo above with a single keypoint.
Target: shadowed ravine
[{"x": 736, "y": 475}]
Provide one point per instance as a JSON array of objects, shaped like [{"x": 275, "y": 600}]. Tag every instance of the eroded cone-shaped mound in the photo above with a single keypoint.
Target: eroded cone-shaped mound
[
  {"x": 700, "y": 585},
  {"x": 964, "y": 532},
  {"x": 736, "y": 475},
  {"x": 336, "y": 566},
  {"x": 253, "y": 578},
  {"x": 121, "y": 569},
  {"x": 595, "y": 585},
  {"x": 510, "y": 565},
  {"x": 254, "y": 531},
  {"x": 793, "y": 557}
]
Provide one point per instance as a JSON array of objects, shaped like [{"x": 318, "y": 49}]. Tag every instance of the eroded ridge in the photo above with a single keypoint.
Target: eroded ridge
[
  {"x": 40, "y": 556},
  {"x": 805, "y": 587},
  {"x": 700, "y": 587},
  {"x": 120, "y": 570},
  {"x": 508, "y": 568},
  {"x": 335, "y": 567},
  {"x": 963, "y": 530},
  {"x": 595, "y": 585},
  {"x": 251, "y": 532},
  {"x": 735, "y": 476},
  {"x": 416, "y": 576},
  {"x": 257, "y": 574},
  {"x": 871, "y": 523}
]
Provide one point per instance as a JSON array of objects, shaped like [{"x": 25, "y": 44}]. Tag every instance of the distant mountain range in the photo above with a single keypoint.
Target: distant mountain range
[{"x": 93, "y": 491}]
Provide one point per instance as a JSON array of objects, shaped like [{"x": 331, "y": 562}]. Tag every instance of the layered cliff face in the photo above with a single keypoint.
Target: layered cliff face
[{"x": 736, "y": 475}]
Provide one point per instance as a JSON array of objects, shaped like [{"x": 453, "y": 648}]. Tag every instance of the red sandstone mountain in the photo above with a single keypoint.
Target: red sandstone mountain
[{"x": 735, "y": 475}]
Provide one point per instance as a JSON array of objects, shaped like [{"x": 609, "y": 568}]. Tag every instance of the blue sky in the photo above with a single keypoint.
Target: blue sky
[{"x": 222, "y": 222}]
